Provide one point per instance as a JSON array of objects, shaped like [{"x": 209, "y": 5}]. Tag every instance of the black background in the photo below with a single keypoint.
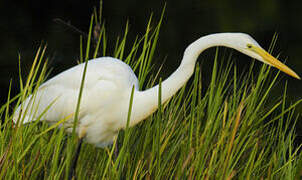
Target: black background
[{"x": 24, "y": 25}]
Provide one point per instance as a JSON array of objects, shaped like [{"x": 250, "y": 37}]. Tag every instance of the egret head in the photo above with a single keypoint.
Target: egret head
[{"x": 247, "y": 45}]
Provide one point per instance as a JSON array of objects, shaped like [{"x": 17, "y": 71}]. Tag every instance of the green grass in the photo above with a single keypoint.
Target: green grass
[{"x": 230, "y": 129}]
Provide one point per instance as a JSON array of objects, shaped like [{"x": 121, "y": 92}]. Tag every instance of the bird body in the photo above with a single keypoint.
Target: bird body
[
  {"x": 107, "y": 89},
  {"x": 104, "y": 103}
]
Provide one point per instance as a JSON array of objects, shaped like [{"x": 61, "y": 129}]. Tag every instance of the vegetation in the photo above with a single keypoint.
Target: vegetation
[{"x": 228, "y": 130}]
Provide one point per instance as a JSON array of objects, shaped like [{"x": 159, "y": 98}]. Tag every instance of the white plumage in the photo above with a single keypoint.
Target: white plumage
[
  {"x": 106, "y": 92},
  {"x": 107, "y": 89}
]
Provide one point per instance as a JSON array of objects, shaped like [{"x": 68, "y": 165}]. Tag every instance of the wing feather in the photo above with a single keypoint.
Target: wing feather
[{"x": 105, "y": 81}]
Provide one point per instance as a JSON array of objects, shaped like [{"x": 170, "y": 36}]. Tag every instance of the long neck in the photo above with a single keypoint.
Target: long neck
[{"x": 146, "y": 102}]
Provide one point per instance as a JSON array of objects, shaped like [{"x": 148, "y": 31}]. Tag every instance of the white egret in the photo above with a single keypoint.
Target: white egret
[{"x": 108, "y": 84}]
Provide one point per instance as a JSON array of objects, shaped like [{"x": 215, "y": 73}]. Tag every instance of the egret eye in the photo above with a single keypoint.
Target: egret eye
[{"x": 249, "y": 46}]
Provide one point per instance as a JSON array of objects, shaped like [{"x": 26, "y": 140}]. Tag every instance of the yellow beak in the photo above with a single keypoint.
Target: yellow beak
[{"x": 269, "y": 59}]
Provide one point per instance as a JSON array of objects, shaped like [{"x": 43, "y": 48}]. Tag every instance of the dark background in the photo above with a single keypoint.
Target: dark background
[{"x": 24, "y": 25}]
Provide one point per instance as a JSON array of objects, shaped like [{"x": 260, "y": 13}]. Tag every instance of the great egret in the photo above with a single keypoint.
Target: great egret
[{"x": 108, "y": 85}]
